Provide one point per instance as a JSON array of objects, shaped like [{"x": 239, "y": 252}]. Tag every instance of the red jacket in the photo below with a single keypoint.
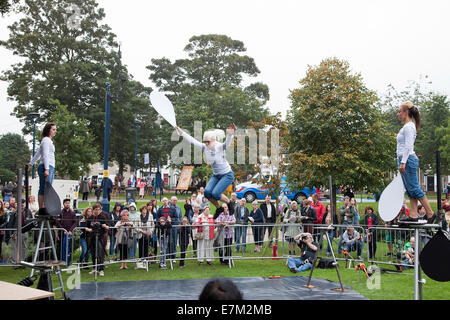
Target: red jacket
[
  {"x": 211, "y": 228},
  {"x": 320, "y": 210}
]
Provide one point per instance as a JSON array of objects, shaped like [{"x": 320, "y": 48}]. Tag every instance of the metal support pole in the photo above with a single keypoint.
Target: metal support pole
[
  {"x": 19, "y": 217},
  {"x": 34, "y": 145},
  {"x": 417, "y": 276}
]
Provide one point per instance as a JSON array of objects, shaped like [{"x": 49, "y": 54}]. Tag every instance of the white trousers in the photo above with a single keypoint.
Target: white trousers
[{"x": 205, "y": 250}]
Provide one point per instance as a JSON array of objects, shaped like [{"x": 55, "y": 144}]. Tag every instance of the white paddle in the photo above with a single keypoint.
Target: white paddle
[
  {"x": 163, "y": 106},
  {"x": 391, "y": 200}
]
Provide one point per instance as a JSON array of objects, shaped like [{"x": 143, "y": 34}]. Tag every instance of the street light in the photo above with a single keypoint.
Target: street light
[
  {"x": 137, "y": 124},
  {"x": 33, "y": 116}
]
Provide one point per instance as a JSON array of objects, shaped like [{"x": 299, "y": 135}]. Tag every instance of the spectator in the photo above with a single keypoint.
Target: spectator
[
  {"x": 107, "y": 185},
  {"x": 349, "y": 192},
  {"x": 144, "y": 231},
  {"x": 241, "y": 214},
  {"x": 205, "y": 232},
  {"x": 84, "y": 188},
  {"x": 176, "y": 219},
  {"x": 371, "y": 220},
  {"x": 98, "y": 192},
  {"x": 163, "y": 227},
  {"x": 447, "y": 191},
  {"x": 142, "y": 185},
  {"x": 12, "y": 224},
  {"x": 154, "y": 238},
  {"x": 446, "y": 208},
  {"x": 318, "y": 207},
  {"x": 356, "y": 217},
  {"x": 8, "y": 191},
  {"x": 408, "y": 254},
  {"x": 204, "y": 203},
  {"x": 184, "y": 233},
  {"x": 114, "y": 218},
  {"x": 220, "y": 290},
  {"x": 308, "y": 247},
  {"x": 330, "y": 218},
  {"x": 233, "y": 199},
  {"x": 3, "y": 225},
  {"x": 97, "y": 225},
  {"x": 284, "y": 202},
  {"x": 194, "y": 219},
  {"x": 351, "y": 240},
  {"x": 346, "y": 214},
  {"x": 134, "y": 217},
  {"x": 270, "y": 218},
  {"x": 84, "y": 256},
  {"x": 124, "y": 237},
  {"x": 68, "y": 221},
  {"x": 292, "y": 218},
  {"x": 423, "y": 212},
  {"x": 12, "y": 204},
  {"x": 308, "y": 215},
  {"x": 33, "y": 205},
  {"x": 188, "y": 208},
  {"x": 256, "y": 218},
  {"x": 225, "y": 223}
]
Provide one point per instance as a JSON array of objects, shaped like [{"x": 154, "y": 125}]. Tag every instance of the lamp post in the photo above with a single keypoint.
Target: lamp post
[
  {"x": 137, "y": 124},
  {"x": 105, "y": 202},
  {"x": 33, "y": 116}
]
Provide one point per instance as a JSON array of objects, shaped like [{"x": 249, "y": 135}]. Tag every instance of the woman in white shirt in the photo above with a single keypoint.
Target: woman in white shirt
[
  {"x": 46, "y": 153},
  {"x": 408, "y": 162}
]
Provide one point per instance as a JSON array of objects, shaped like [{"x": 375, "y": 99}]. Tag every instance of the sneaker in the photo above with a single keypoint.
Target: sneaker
[
  {"x": 358, "y": 258},
  {"x": 432, "y": 219},
  {"x": 218, "y": 212},
  {"x": 101, "y": 274},
  {"x": 182, "y": 266},
  {"x": 293, "y": 270},
  {"x": 200, "y": 264},
  {"x": 209, "y": 263},
  {"x": 92, "y": 271},
  {"x": 231, "y": 205}
]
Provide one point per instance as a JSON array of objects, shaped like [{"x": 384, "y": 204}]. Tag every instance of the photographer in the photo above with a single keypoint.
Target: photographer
[
  {"x": 97, "y": 226},
  {"x": 308, "y": 248},
  {"x": 351, "y": 240}
]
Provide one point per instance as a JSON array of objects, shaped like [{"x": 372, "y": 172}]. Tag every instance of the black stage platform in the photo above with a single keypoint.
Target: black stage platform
[{"x": 253, "y": 288}]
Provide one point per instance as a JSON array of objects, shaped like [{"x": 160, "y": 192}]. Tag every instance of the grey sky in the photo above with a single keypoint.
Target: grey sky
[{"x": 386, "y": 41}]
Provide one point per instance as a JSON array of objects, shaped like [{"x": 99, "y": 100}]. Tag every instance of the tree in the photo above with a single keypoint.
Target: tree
[
  {"x": 7, "y": 6},
  {"x": 336, "y": 128},
  {"x": 15, "y": 152},
  {"x": 444, "y": 132},
  {"x": 207, "y": 86},
  {"x": 74, "y": 149}
]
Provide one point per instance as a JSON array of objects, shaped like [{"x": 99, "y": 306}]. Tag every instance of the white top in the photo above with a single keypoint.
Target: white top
[
  {"x": 46, "y": 152},
  {"x": 269, "y": 211},
  {"x": 405, "y": 141},
  {"x": 217, "y": 157}
]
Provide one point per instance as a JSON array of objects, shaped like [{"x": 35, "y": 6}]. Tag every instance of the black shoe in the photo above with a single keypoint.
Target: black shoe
[
  {"x": 42, "y": 212},
  {"x": 293, "y": 270},
  {"x": 231, "y": 207},
  {"x": 218, "y": 212},
  {"x": 433, "y": 218}
]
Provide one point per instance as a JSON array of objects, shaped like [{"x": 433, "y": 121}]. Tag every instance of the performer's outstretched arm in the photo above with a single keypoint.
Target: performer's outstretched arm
[{"x": 190, "y": 139}]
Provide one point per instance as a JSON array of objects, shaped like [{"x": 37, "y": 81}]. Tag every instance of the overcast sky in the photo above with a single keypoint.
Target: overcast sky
[{"x": 386, "y": 41}]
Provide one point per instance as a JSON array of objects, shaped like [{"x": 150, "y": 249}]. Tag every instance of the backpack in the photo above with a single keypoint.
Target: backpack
[{"x": 325, "y": 263}]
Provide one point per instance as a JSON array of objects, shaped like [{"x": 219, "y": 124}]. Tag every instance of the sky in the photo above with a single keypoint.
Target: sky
[{"x": 388, "y": 42}]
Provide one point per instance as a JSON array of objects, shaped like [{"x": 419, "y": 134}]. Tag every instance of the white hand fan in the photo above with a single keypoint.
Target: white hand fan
[
  {"x": 391, "y": 200},
  {"x": 163, "y": 106}
]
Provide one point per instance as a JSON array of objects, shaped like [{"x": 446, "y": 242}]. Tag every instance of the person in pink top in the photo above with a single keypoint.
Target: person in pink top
[{"x": 142, "y": 185}]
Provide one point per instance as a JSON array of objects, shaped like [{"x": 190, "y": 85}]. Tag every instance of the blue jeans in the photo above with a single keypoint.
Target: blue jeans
[
  {"x": 410, "y": 180},
  {"x": 241, "y": 231},
  {"x": 51, "y": 176},
  {"x": 163, "y": 246},
  {"x": 66, "y": 254},
  {"x": 355, "y": 246},
  {"x": 132, "y": 250},
  {"x": 218, "y": 184},
  {"x": 112, "y": 243},
  {"x": 331, "y": 235},
  {"x": 405, "y": 264},
  {"x": 297, "y": 264},
  {"x": 84, "y": 256}
]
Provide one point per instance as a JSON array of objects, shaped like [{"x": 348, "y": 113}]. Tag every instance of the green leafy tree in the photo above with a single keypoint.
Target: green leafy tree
[
  {"x": 336, "y": 128},
  {"x": 15, "y": 152},
  {"x": 6, "y": 176},
  {"x": 444, "y": 148},
  {"x": 74, "y": 149}
]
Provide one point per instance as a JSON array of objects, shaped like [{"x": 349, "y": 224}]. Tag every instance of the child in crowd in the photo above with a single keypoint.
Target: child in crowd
[
  {"x": 408, "y": 254},
  {"x": 184, "y": 233},
  {"x": 164, "y": 227},
  {"x": 124, "y": 236}
]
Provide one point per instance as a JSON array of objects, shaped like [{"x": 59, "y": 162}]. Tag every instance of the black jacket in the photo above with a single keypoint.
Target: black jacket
[
  {"x": 184, "y": 233},
  {"x": 374, "y": 220},
  {"x": 237, "y": 215},
  {"x": 163, "y": 231},
  {"x": 310, "y": 213},
  {"x": 273, "y": 217}
]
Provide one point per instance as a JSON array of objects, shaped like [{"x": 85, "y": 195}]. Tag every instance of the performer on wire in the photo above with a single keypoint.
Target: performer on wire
[
  {"x": 215, "y": 153},
  {"x": 408, "y": 162},
  {"x": 46, "y": 152}
]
